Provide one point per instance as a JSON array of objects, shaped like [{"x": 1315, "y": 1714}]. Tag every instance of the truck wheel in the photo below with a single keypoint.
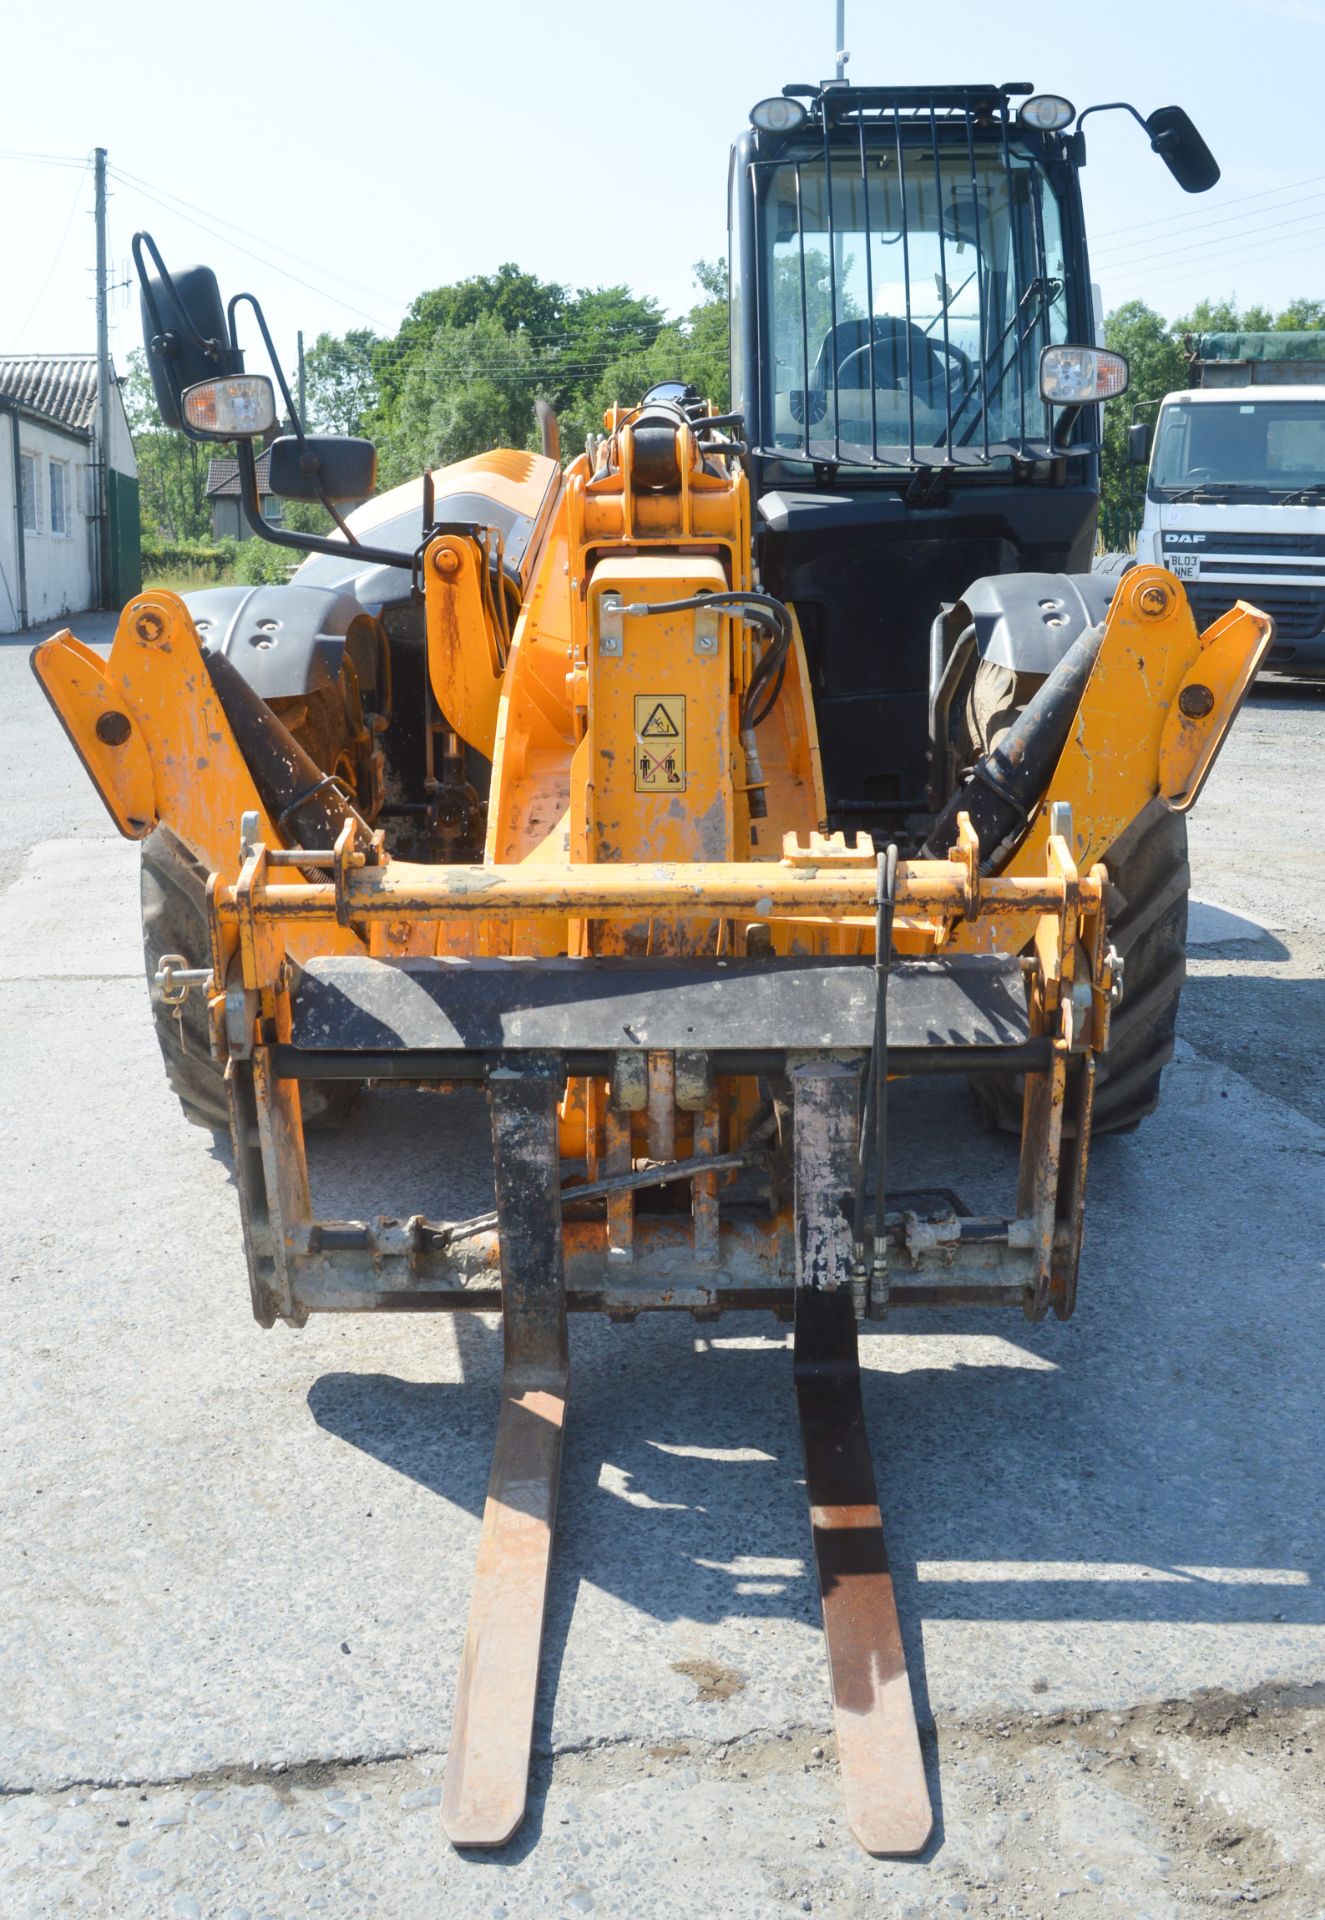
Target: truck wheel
[
  {"x": 1149, "y": 876},
  {"x": 174, "y": 909},
  {"x": 1113, "y": 565},
  {"x": 1151, "y": 879}
]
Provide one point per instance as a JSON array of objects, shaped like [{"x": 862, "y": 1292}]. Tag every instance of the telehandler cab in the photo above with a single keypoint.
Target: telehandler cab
[{"x": 684, "y": 796}]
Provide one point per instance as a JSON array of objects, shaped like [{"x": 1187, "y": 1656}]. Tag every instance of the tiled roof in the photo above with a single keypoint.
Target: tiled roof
[
  {"x": 63, "y": 386},
  {"x": 223, "y": 477}
]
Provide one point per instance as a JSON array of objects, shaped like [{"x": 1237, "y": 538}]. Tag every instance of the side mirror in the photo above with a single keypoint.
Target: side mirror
[
  {"x": 1175, "y": 139},
  {"x": 186, "y": 337},
  {"x": 333, "y": 466},
  {"x": 1139, "y": 437}
]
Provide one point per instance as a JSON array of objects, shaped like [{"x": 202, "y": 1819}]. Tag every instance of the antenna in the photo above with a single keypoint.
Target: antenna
[{"x": 842, "y": 56}]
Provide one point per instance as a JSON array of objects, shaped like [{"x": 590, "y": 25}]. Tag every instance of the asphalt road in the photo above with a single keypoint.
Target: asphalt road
[{"x": 235, "y": 1565}]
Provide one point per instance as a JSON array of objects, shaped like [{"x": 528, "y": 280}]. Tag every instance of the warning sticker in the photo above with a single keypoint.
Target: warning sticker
[{"x": 660, "y": 742}]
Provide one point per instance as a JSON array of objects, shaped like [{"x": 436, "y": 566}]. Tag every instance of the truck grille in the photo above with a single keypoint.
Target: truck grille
[
  {"x": 1217, "y": 546},
  {"x": 1298, "y": 612}
]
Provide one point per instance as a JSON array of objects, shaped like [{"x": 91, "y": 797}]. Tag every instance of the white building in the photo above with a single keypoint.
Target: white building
[{"x": 49, "y": 523}]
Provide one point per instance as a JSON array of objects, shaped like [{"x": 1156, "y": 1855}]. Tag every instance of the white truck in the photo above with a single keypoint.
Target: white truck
[{"x": 1235, "y": 493}]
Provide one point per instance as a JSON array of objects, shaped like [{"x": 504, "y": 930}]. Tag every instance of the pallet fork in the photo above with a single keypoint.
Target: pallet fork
[{"x": 483, "y": 1799}]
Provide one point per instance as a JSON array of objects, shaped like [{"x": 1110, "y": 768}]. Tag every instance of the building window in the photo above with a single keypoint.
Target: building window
[
  {"x": 28, "y": 462},
  {"x": 59, "y": 496}
]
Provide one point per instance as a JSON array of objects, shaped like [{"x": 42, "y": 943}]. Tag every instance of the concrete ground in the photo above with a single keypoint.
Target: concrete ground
[{"x": 236, "y": 1565}]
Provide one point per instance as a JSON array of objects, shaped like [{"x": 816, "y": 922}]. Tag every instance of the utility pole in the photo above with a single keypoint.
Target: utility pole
[
  {"x": 102, "y": 464},
  {"x": 842, "y": 55},
  {"x": 303, "y": 391}
]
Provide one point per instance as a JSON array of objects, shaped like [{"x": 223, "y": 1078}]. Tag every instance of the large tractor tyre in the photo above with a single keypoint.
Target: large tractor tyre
[
  {"x": 174, "y": 907},
  {"x": 1149, "y": 881}
]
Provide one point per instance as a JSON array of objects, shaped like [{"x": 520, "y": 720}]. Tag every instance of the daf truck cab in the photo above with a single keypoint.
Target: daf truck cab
[{"x": 1235, "y": 494}]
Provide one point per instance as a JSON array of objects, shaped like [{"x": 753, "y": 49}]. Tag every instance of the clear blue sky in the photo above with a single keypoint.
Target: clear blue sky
[{"x": 372, "y": 151}]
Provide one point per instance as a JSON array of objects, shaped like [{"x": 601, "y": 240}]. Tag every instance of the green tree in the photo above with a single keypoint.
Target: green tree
[
  {"x": 602, "y": 327},
  {"x": 172, "y": 471},
  {"x": 693, "y": 349},
  {"x": 1216, "y": 316},
  {"x": 1303, "y": 315},
  {"x": 470, "y": 360},
  {"x": 1158, "y": 366},
  {"x": 1299, "y": 316},
  {"x": 341, "y": 381},
  {"x": 471, "y": 388},
  {"x": 518, "y": 302}
]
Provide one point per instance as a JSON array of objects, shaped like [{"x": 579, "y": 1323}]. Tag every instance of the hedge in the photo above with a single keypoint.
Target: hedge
[{"x": 188, "y": 556}]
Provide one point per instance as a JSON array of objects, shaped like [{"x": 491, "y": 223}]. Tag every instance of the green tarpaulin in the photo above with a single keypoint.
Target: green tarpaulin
[{"x": 1260, "y": 346}]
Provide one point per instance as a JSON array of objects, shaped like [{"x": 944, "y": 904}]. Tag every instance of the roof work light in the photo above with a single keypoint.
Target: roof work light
[
  {"x": 1047, "y": 112},
  {"x": 777, "y": 114}
]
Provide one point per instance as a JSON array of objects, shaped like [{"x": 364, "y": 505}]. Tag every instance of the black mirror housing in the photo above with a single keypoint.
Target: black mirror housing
[
  {"x": 332, "y": 466},
  {"x": 1175, "y": 139},
  {"x": 185, "y": 336},
  {"x": 1138, "y": 443}
]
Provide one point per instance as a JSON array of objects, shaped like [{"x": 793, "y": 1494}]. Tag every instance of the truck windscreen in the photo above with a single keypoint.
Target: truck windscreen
[
  {"x": 907, "y": 291},
  {"x": 1245, "y": 446}
]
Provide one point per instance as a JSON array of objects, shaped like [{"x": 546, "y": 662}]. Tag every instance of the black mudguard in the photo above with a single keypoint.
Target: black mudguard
[{"x": 286, "y": 640}]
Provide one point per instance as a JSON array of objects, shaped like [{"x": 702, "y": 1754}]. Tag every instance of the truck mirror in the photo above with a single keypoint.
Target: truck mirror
[
  {"x": 185, "y": 335},
  {"x": 332, "y": 467},
  {"x": 1175, "y": 139},
  {"x": 1138, "y": 443}
]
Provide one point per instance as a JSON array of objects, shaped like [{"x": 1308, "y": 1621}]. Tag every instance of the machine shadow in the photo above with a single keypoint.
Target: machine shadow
[
  {"x": 1281, "y": 690},
  {"x": 1090, "y": 1474}
]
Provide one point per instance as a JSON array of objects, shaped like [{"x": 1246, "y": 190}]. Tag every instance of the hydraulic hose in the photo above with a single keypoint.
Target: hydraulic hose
[
  {"x": 1008, "y": 784},
  {"x": 758, "y": 609}
]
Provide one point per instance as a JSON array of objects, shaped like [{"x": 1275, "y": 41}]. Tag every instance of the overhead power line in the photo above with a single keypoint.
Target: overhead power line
[
  {"x": 263, "y": 240},
  {"x": 1217, "y": 249},
  {"x": 44, "y": 159},
  {"x": 1185, "y": 220},
  {"x": 272, "y": 266},
  {"x": 59, "y": 251},
  {"x": 1207, "y": 271},
  {"x": 1157, "y": 240},
  {"x": 208, "y": 221}
]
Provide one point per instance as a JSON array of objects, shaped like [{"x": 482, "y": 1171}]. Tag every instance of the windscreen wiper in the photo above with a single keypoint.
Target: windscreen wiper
[
  {"x": 1204, "y": 490},
  {"x": 1023, "y": 323},
  {"x": 1311, "y": 491}
]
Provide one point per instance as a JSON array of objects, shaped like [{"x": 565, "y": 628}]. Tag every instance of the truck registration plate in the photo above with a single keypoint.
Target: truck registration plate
[{"x": 1184, "y": 566}]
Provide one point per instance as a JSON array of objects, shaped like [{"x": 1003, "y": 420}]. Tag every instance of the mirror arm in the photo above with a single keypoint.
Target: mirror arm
[
  {"x": 270, "y": 345},
  {"x": 215, "y": 349},
  {"x": 1114, "y": 106},
  {"x": 1067, "y": 419},
  {"x": 306, "y": 460},
  {"x": 251, "y": 507}
]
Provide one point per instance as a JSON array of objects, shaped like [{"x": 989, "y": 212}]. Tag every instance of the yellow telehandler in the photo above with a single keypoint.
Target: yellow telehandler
[{"x": 684, "y": 795}]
